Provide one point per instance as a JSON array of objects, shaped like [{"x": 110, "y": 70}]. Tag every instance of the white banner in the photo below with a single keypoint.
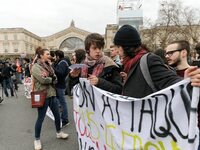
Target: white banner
[
  {"x": 28, "y": 87},
  {"x": 161, "y": 121}
]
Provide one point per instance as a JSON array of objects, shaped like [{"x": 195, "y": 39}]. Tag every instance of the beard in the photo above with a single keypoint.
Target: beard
[{"x": 176, "y": 63}]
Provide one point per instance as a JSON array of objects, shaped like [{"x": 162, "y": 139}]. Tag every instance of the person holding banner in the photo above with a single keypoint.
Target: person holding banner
[
  {"x": 45, "y": 78},
  {"x": 128, "y": 41},
  {"x": 131, "y": 50},
  {"x": 177, "y": 55},
  {"x": 99, "y": 69}
]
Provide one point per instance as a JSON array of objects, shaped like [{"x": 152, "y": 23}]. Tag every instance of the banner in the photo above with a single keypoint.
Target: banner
[
  {"x": 165, "y": 120},
  {"x": 27, "y": 87}
]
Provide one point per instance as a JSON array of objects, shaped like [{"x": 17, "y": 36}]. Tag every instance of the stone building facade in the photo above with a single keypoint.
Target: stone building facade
[{"x": 18, "y": 42}]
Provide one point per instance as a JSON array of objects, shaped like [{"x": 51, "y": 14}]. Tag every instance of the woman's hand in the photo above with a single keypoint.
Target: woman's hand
[
  {"x": 123, "y": 76},
  {"x": 44, "y": 74},
  {"x": 193, "y": 73},
  {"x": 93, "y": 79}
]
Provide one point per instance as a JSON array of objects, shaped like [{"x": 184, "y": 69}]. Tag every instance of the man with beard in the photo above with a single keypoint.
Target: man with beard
[{"x": 177, "y": 54}]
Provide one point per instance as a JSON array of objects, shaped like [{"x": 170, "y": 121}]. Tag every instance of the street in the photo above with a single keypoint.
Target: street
[{"x": 17, "y": 120}]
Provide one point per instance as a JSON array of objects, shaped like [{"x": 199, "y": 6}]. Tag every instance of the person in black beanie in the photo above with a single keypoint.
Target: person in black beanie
[
  {"x": 131, "y": 50},
  {"x": 127, "y": 36}
]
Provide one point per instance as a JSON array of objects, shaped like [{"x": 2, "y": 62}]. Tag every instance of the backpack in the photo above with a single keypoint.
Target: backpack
[
  {"x": 64, "y": 62},
  {"x": 145, "y": 72}
]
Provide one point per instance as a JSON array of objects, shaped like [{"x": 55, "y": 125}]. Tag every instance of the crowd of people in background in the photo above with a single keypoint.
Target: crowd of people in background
[
  {"x": 10, "y": 76},
  {"x": 117, "y": 73}
]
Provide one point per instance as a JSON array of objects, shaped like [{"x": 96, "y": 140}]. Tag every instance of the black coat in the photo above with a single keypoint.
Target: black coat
[
  {"x": 162, "y": 77},
  {"x": 61, "y": 69},
  {"x": 109, "y": 79}
]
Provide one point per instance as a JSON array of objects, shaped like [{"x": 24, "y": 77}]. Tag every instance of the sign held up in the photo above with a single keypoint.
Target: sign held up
[{"x": 165, "y": 120}]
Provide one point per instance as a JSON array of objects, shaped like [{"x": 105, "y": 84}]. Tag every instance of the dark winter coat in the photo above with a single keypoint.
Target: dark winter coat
[
  {"x": 61, "y": 70},
  {"x": 162, "y": 77},
  {"x": 109, "y": 79}
]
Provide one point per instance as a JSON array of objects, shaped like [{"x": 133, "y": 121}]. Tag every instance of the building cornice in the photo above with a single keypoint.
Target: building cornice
[
  {"x": 64, "y": 32},
  {"x": 19, "y": 30}
]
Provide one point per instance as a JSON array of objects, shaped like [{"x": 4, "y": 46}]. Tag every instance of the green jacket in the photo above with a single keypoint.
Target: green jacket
[{"x": 43, "y": 82}]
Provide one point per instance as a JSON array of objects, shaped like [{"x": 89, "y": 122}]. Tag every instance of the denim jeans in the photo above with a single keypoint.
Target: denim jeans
[
  {"x": 60, "y": 93},
  {"x": 19, "y": 77},
  {"x": 53, "y": 104},
  {"x": 8, "y": 84}
]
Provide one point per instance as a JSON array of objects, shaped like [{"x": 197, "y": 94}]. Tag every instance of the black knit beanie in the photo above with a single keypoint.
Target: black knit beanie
[{"x": 127, "y": 36}]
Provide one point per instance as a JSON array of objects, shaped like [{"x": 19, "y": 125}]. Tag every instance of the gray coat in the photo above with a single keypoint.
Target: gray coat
[{"x": 43, "y": 82}]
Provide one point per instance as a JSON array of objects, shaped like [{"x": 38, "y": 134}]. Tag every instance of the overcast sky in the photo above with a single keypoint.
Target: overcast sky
[{"x": 46, "y": 17}]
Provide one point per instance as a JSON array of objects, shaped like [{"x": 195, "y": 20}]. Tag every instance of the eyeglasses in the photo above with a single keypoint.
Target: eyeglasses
[{"x": 170, "y": 53}]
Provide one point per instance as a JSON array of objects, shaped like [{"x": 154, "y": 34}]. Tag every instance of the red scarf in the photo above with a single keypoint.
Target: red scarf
[
  {"x": 130, "y": 62},
  {"x": 98, "y": 65}
]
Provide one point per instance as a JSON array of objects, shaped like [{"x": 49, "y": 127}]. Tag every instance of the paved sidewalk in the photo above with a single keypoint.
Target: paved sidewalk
[{"x": 17, "y": 120}]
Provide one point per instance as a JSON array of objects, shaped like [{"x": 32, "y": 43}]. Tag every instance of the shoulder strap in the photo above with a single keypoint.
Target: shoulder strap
[
  {"x": 64, "y": 62},
  {"x": 33, "y": 84},
  {"x": 145, "y": 71}
]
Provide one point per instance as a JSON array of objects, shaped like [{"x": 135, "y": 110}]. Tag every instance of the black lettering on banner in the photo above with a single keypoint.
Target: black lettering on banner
[
  {"x": 76, "y": 91},
  {"x": 85, "y": 145},
  {"x": 106, "y": 104},
  {"x": 91, "y": 148},
  {"x": 83, "y": 95},
  {"x": 172, "y": 118},
  {"x": 115, "y": 96},
  {"x": 132, "y": 119},
  {"x": 81, "y": 144},
  {"x": 192, "y": 110},
  {"x": 186, "y": 100},
  {"x": 86, "y": 96},
  {"x": 189, "y": 90},
  {"x": 192, "y": 140},
  {"x": 165, "y": 131},
  {"x": 117, "y": 112},
  {"x": 150, "y": 112}
]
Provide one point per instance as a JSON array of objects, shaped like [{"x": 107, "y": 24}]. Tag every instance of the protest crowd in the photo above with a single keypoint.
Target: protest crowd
[{"x": 119, "y": 73}]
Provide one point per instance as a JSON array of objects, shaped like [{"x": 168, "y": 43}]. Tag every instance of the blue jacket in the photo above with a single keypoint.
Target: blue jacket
[{"x": 61, "y": 69}]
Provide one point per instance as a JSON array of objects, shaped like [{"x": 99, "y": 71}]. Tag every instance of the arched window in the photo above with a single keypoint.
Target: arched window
[{"x": 71, "y": 44}]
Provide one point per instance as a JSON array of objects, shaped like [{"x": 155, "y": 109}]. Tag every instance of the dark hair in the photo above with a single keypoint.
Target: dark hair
[
  {"x": 161, "y": 53},
  {"x": 59, "y": 53},
  {"x": 40, "y": 51},
  {"x": 183, "y": 44},
  {"x": 127, "y": 36},
  {"x": 27, "y": 60},
  {"x": 80, "y": 55},
  {"x": 94, "y": 39},
  {"x": 132, "y": 51},
  {"x": 68, "y": 60},
  {"x": 52, "y": 53}
]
